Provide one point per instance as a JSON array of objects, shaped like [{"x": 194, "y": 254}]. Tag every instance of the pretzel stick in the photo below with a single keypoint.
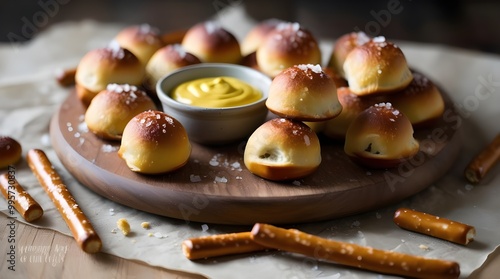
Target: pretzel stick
[
  {"x": 483, "y": 162},
  {"x": 29, "y": 209},
  {"x": 80, "y": 226},
  {"x": 353, "y": 255},
  {"x": 219, "y": 245},
  {"x": 66, "y": 77},
  {"x": 434, "y": 226}
]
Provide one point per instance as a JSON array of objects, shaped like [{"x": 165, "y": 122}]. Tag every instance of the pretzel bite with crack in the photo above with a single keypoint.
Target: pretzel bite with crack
[
  {"x": 282, "y": 149},
  {"x": 380, "y": 137}
]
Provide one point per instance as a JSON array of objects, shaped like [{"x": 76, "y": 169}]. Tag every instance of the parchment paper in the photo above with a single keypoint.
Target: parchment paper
[{"x": 29, "y": 96}]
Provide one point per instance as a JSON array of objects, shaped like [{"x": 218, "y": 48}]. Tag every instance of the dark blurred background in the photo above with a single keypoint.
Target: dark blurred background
[{"x": 466, "y": 24}]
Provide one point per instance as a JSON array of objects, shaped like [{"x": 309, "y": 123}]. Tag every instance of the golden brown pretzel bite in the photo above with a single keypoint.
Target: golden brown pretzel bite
[
  {"x": 28, "y": 207},
  {"x": 219, "y": 245},
  {"x": 353, "y": 255},
  {"x": 434, "y": 226},
  {"x": 80, "y": 226},
  {"x": 483, "y": 162}
]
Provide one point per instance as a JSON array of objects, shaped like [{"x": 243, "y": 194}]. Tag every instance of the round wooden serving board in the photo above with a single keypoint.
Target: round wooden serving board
[{"x": 215, "y": 186}]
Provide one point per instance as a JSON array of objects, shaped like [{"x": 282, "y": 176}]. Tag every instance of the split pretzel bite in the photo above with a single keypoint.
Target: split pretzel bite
[
  {"x": 353, "y": 255},
  {"x": 80, "y": 226},
  {"x": 434, "y": 226}
]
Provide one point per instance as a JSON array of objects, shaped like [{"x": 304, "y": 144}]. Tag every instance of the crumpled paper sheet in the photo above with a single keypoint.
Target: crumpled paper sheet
[{"x": 29, "y": 96}]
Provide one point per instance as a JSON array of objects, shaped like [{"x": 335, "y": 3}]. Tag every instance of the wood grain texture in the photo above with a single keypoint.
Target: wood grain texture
[
  {"x": 338, "y": 188},
  {"x": 43, "y": 253}
]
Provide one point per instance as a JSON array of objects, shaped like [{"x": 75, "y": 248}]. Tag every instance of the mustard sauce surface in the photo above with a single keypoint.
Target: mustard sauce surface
[{"x": 216, "y": 92}]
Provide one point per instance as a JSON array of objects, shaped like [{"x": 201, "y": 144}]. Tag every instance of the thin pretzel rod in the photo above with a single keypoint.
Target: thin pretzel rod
[
  {"x": 353, "y": 255},
  {"x": 66, "y": 77},
  {"x": 80, "y": 226},
  {"x": 483, "y": 162},
  {"x": 26, "y": 205},
  {"x": 434, "y": 226},
  {"x": 219, "y": 245}
]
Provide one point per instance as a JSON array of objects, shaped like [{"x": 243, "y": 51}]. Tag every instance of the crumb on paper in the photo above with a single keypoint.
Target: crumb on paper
[
  {"x": 146, "y": 225},
  {"x": 424, "y": 247},
  {"x": 113, "y": 231},
  {"x": 111, "y": 211},
  {"x": 123, "y": 225},
  {"x": 150, "y": 234},
  {"x": 159, "y": 235}
]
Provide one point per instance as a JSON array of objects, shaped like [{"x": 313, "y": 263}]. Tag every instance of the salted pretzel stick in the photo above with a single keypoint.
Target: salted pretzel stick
[
  {"x": 28, "y": 207},
  {"x": 483, "y": 162},
  {"x": 219, "y": 245},
  {"x": 66, "y": 77},
  {"x": 353, "y": 255},
  {"x": 434, "y": 226},
  {"x": 80, "y": 226}
]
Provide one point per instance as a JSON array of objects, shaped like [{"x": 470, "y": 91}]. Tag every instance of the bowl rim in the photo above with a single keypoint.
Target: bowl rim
[{"x": 165, "y": 97}]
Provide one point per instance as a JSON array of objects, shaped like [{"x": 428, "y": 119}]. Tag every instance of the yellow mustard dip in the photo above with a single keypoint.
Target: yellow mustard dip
[{"x": 216, "y": 92}]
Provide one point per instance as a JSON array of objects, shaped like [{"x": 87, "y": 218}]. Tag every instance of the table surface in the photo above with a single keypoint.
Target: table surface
[{"x": 71, "y": 262}]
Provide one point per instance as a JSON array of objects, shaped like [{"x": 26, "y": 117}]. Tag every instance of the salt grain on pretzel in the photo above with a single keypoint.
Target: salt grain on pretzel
[
  {"x": 483, "y": 162},
  {"x": 219, "y": 245},
  {"x": 353, "y": 255},
  {"x": 28, "y": 207},
  {"x": 80, "y": 226},
  {"x": 434, "y": 226}
]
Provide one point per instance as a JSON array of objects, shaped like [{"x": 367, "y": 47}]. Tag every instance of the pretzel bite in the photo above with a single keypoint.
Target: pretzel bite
[
  {"x": 304, "y": 92},
  {"x": 286, "y": 45},
  {"x": 257, "y": 34},
  {"x": 421, "y": 101},
  {"x": 352, "y": 106},
  {"x": 282, "y": 149},
  {"x": 153, "y": 142},
  {"x": 22, "y": 201},
  {"x": 166, "y": 60},
  {"x": 10, "y": 151},
  {"x": 103, "y": 66},
  {"x": 349, "y": 254},
  {"x": 219, "y": 245},
  {"x": 142, "y": 40},
  {"x": 434, "y": 226},
  {"x": 211, "y": 43},
  {"x": 80, "y": 226},
  {"x": 376, "y": 67},
  {"x": 343, "y": 45},
  {"x": 111, "y": 110},
  {"x": 380, "y": 137}
]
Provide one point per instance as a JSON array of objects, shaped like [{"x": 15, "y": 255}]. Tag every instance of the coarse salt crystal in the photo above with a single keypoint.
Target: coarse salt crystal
[
  {"x": 362, "y": 38},
  {"x": 220, "y": 179},
  {"x": 379, "y": 39},
  {"x": 204, "y": 227},
  {"x": 194, "y": 178}
]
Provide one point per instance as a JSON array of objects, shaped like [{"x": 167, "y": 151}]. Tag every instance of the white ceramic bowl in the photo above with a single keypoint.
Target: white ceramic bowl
[{"x": 215, "y": 125}]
